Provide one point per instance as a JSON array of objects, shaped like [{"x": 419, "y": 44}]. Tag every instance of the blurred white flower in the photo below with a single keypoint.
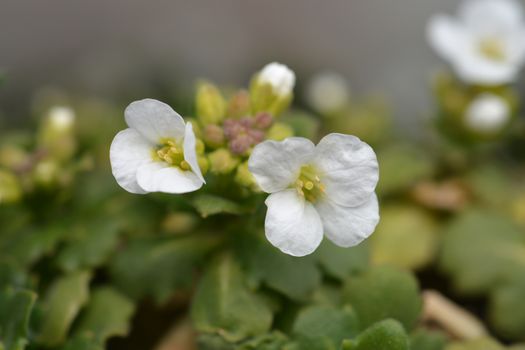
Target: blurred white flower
[
  {"x": 157, "y": 153},
  {"x": 487, "y": 113},
  {"x": 314, "y": 189},
  {"x": 328, "y": 92},
  {"x": 61, "y": 117},
  {"x": 485, "y": 44},
  {"x": 279, "y": 76}
]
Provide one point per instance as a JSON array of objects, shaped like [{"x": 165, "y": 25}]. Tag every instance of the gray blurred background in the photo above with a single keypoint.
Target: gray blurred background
[{"x": 104, "y": 47}]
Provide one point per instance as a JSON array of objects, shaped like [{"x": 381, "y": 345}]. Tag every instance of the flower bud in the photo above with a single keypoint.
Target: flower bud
[
  {"x": 222, "y": 161},
  {"x": 263, "y": 120},
  {"x": 239, "y": 105},
  {"x": 213, "y": 135},
  {"x": 10, "y": 189},
  {"x": 328, "y": 92},
  {"x": 211, "y": 106},
  {"x": 279, "y": 131},
  {"x": 244, "y": 177},
  {"x": 46, "y": 173},
  {"x": 487, "y": 114},
  {"x": 56, "y": 133},
  {"x": 272, "y": 89}
]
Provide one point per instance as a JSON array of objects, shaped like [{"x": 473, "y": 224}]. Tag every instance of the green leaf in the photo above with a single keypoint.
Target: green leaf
[
  {"x": 15, "y": 310},
  {"x": 495, "y": 254},
  {"x": 224, "y": 305},
  {"x": 11, "y": 275},
  {"x": 107, "y": 315},
  {"x": 423, "y": 339},
  {"x": 384, "y": 292},
  {"x": 89, "y": 247},
  {"x": 159, "y": 266},
  {"x": 63, "y": 301},
  {"x": 507, "y": 310},
  {"x": 271, "y": 341},
  {"x": 405, "y": 237},
  {"x": 297, "y": 278},
  {"x": 402, "y": 166},
  {"x": 82, "y": 342},
  {"x": 342, "y": 262},
  {"x": 384, "y": 335},
  {"x": 321, "y": 327},
  {"x": 207, "y": 205}
]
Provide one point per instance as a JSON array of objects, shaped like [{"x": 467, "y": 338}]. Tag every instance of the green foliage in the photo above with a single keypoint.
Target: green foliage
[
  {"x": 384, "y": 335},
  {"x": 224, "y": 305},
  {"x": 406, "y": 237},
  {"x": 324, "y": 327},
  {"x": 88, "y": 247},
  {"x": 340, "y": 262},
  {"x": 207, "y": 205},
  {"x": 64, "y": 300},
  {"x": 159, "y": 266},
  {"x": 107, "y": 315},
  {"x": 384, "y": 292},
  {"x": 401, "y": 166},
  {"x": 294, "y": 277},
  {"x": 15, "y": 309},
  {"x": 423, "y": 339}
]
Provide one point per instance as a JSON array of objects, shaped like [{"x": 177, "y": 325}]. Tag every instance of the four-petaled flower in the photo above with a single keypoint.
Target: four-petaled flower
[
  {"x": 485, "y": 44},
  {"x": 314, "y": 189},
  {"x": 157, "y": 153}
]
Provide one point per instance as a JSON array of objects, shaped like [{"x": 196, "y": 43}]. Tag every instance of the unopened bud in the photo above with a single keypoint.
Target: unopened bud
[
  {"x": 213, "y": 135},
  {"x": 46, "y": 173},
  {"x": 239, "y": 105},
  {"x": 211, "y": 106},
  {"x": 279, "y": 132},
  {"x": 244, "y": 177},
  {"x": 222, "y": 161},
  {"x": 487, "y": 114},
  {"x": 272, "y": 89},
  {"x": 263, "y": 120},
  {"x": 56, "y": 133}
]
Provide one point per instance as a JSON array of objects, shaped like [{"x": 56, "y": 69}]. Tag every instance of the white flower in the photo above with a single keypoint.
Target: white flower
[
  {"x": 485, "y": 44},
  {"x": 314, "y": 189},
  {"x": 157, "y": 152},
  {"x": 328, "y": 92},
  {"x": 279, "y": 76},
  {"x": 487, "y": 113}
]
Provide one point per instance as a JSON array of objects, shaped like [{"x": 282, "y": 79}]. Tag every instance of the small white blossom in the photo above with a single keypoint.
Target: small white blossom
[
  {"x": 279, "y": 76},
  {"x": 487, "y": 113},
  {"x": 485, "y": 43},
  {"x": 157, "y": 152},
  {"x": 61, "y": 118},
  {"x": 314, "y": 189},
  {"x": 328, "y": 92}
]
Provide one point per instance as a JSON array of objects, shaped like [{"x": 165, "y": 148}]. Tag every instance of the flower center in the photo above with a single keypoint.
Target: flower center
[
  {"x": 492, "y": 48},
  {"x": 172, "y": 153},
  {"x": 308, "y": 184}
]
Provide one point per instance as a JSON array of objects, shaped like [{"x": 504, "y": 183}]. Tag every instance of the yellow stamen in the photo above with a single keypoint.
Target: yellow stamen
[{"x": 492, "y": 48}]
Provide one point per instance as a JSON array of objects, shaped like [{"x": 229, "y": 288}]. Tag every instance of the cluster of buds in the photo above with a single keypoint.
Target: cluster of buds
[
  {"x": 47, "y": 163},
  {"x": 231, "y": 127}
]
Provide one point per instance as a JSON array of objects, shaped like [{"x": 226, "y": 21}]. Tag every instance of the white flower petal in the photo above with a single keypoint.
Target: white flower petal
[
  {"x": 476, "y": 69},
  {"x": 190, "y": 153},
  {"x": 292, "y": 224},
  {"x": 349, "y": 226},
  {"x": 154, "y": 120},
  {"x": 446, "y": 36},
  {"x": 490, "y": 15},
  {"x": 160, "y": 177},
  {"x": 275, "y": 165},
  {"x": 348, "y": 169},
  {"x": 129, "y": 150}
]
